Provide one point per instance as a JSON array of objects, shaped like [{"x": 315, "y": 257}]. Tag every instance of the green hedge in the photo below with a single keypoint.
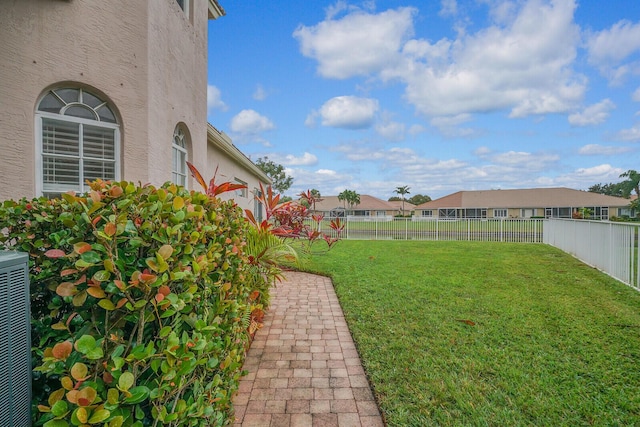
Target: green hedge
[{"x": 142, "y": 298}]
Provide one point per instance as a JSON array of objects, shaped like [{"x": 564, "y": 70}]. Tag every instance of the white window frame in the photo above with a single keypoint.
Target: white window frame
[
  {"x": 242, "y": 192},
  {"x": 427, "y": 213},
  {"x": 185, "y": 6},
  {"x": 501, "y": 213},
  {"x": 40, "y": 115},
  {"x": 176, "y": 150}
]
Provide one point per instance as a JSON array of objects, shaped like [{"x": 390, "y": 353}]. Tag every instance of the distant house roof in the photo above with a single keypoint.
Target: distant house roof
[
  {"x": 397, "y": 204},
  {"x": 525, "y": 198},
  {"x": 367, "y": 203}
]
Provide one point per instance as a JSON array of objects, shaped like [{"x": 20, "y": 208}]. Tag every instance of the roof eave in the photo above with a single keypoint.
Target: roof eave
[
  {"x": 224, "y": 143},
  {"x": 215, "y": 10}
]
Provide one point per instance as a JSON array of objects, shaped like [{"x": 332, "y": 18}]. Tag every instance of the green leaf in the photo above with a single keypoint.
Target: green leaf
[
  {"x": 60, "y": 408},
  {"x": 117, "y": 351},
  {"x": 99, "y": 416},
  {"x": 95, "y": 353},
  {"x": 56, "y": 423},
  {"x": 126, "y": 381},
  {"x": 113, "y": 396},
  {"x": 165, "y": 331},
  {"x": 107, "y": 304},
  {"x": 101, "y": 276},
  {"x": 82, "y": 264},
  {"x": 118, "y": 362},
  {"x": 91, "y": 257},
  {"x": 138, "y": 394},
  {"x": 139, "y": 414},
  {"x": 85, "y": 343}
]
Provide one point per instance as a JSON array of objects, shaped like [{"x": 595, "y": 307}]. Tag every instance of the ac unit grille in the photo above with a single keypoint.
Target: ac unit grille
[{"x": 15, "y": 341}]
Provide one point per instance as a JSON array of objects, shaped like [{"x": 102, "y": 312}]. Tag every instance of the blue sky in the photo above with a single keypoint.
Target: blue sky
[{"x": 440, "y": 96}]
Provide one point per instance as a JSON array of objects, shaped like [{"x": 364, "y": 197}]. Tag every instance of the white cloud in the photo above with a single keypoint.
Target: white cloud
[
  {"x": 602, "y": 172},
  {"x": 214, "y": 99},
  {"x": 482, "y": 151},
  {"x": 248, "y": 126},
  {"x": 416, "y": 129},
  {"x": 389, "y": 129},
  {"x": 311, "y": 119},
  {"x": 260, "y": 94},
  {"x": 581, "y": 178},
  {"x": 359, "y": 43},
  {"x": 524, "y": 66},
  {"x": 636, "y": 95},
  {"x": 348, "y": 112},
  {"x": 329, "y": 182},
  {"x": 448, "y": 8},
  {"x": 593, "y": 114},
  {"x": 307, "y": 159},
  {"x": 601, "y": 150},
  {"x": 525, "y": 160},
  {"x": 610, "y": 48},
  {"x": 450, "y": 121},
  {"x": 522, "y": 62},
  {"x": 628, "y": 135},
  {"x": 449, "y": 126}
]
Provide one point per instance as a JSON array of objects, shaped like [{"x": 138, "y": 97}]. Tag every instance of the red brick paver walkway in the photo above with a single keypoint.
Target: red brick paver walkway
[{"x": 303, "y": 367}]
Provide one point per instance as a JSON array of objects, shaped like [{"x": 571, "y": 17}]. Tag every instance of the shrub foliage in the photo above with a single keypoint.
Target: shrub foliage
[{"x": 142, "y": 298}]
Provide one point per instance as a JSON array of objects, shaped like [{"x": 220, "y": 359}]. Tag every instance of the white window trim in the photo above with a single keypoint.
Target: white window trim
[
  {"x": 186, "y": 9},
  {"x": 500, "y": 210},
  {"x": 183, "y": 150},
  {"x": 39, "y": 158},
  {"x": 243, "y": 192}
]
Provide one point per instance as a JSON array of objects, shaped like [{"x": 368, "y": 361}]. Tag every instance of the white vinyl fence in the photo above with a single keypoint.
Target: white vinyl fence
[
  {"x": 486, "y": 230},
  {"x": 611, "y": 247}
]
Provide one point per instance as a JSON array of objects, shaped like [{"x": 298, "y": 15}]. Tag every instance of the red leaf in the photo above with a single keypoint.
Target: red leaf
[
  {"x": 110, "y": 229},
  {"x": 467, "y": 321},
  {"x": 54, "y": 253},
  {"x": 225, "y": 187},
  {"x": 197, "y": 176},
  {"x": 146, "y": 277},
  {"x": 68, "y": 272}
]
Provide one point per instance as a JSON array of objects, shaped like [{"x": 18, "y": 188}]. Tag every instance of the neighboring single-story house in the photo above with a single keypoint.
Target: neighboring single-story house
[
  {"x": 368, "y": 207},
  {"x": 397, "y": 204},
  {"x": 525, "y": 203},
  {"x": 115, "y": 90}
]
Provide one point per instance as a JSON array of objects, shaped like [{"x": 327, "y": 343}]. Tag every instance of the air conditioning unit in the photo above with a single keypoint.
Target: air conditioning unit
[{"x": 15, "y": 340}]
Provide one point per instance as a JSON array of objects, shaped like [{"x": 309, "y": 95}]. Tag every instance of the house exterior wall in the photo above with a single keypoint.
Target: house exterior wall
[
  {"x": 177, "y": 67},
  {"x": 514, "y": 213},
  {"x": 222, "y": 161},
  {"x": 147, "y": 58}
]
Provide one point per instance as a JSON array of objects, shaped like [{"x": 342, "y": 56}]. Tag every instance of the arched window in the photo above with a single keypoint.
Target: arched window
[
  {"x": 180, "y": 156},
  {"x": 78, "y": 140}
]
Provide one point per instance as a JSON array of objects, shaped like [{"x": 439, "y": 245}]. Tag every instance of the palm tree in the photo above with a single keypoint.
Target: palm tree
[
  {"x": 402, "y": 191},
  {"x": 354, "y": 199},
  {"x": 349, "y": 197},
  {"x": 343, "y": 198}
]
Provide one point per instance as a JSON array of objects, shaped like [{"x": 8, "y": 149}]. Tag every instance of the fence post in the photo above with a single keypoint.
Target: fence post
[{"x": 406, "y": 229}]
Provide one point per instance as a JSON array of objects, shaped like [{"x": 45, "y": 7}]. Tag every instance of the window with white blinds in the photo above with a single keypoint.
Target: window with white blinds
[{"x": 78, "y": 141}]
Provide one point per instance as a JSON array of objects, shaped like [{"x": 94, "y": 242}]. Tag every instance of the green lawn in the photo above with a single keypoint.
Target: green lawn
[{"x": 495, "y": 334}]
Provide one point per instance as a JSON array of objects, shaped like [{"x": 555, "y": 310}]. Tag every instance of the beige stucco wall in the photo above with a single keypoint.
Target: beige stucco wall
[
  {"x": 228, "y": 170},
  {"x": 177, "y": 83},
  {"x": 146, "y": 57}
]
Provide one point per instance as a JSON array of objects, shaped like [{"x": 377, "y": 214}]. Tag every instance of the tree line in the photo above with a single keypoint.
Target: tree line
[{"x": 622, "y": 189}]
